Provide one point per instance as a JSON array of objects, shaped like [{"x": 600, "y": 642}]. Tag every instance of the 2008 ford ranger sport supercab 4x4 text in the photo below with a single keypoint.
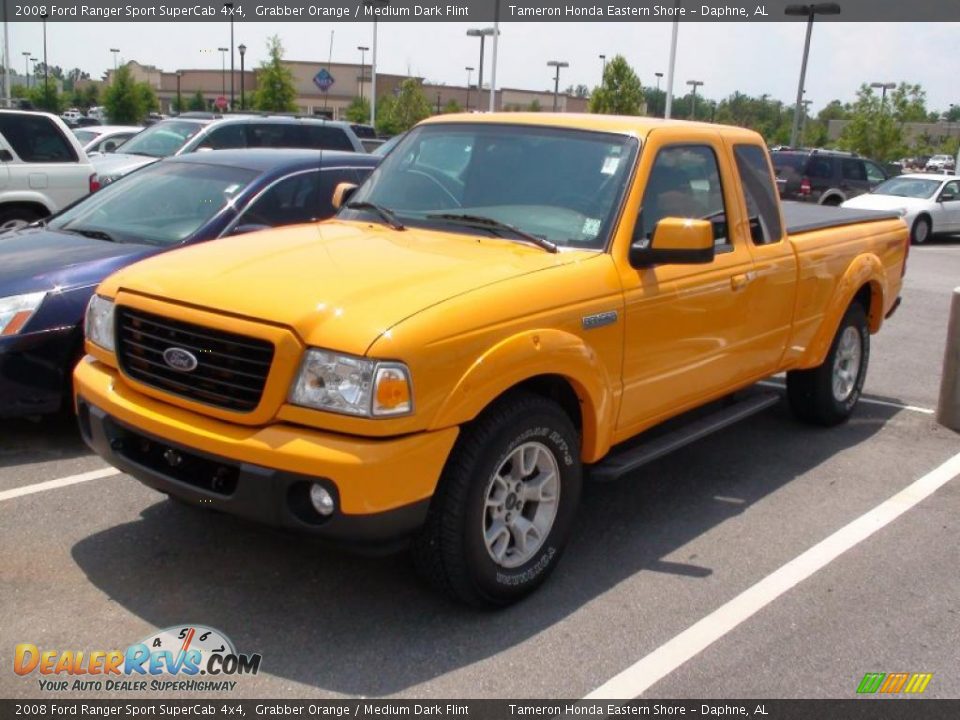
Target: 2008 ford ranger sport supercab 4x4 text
[{"x": 506, "y": 301}]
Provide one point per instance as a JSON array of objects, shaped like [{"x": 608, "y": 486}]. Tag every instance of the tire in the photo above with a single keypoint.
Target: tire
[
  {"x": 921, "y": 230},
  {"x": 469, "y": 547},
  {"x": 832, "y": 201},
  {"x": 16, "y": 217},
  {"x": 826, "y": 395}
]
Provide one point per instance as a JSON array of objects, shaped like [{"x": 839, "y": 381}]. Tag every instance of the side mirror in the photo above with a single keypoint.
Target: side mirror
[
  {"x": 676, "y": 241},
  {"x": 342, "y": 193},
  {"x": 5, "y": 156},
  {"x": 245, "y": 228},
  {"x": 947, "y": 197}
]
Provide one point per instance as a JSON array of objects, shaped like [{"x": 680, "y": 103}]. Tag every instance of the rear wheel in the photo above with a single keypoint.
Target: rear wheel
[
  {"x": 16, "y": 217},
  {"x": 505, "y": 504},
  {"x": 920, "y": 232},
  {"x": 827, "y": 395}
]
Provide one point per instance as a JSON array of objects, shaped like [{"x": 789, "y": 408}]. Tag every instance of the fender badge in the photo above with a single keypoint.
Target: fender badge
[{"x": 591, "y": 322}]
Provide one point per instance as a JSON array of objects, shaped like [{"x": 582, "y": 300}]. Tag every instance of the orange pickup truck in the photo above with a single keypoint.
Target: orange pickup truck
[{"x": 488, "y": 320}]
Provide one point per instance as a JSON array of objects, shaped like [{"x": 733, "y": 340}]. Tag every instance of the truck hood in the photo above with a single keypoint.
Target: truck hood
[{"x": 338, "y": 285}]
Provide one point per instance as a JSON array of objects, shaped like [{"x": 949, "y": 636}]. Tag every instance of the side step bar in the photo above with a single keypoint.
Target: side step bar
[{"x": 618, "y": 464}]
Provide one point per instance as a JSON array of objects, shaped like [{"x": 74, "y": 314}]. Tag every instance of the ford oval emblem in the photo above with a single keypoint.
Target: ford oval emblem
[{"x": 180, "y": 359}]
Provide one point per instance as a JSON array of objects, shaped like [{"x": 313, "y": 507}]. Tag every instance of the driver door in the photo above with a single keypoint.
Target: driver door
[{"x": 686, "y": 335}]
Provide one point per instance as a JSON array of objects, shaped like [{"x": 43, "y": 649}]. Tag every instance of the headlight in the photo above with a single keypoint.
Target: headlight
[
  {"x": 99, "y": 323},
  {"x": 16, "y": 311},
  {"x": 352, "y": 385}
]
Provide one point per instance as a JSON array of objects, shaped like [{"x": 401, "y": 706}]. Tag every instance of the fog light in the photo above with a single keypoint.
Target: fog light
[{"x": 321, "y": 499}]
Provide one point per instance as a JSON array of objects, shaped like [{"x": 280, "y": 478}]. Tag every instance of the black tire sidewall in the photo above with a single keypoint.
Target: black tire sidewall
[
  {"x": 504, "y": 585},
  {"x": 855, "y": 317},
  {"x": 913, "y": 231}
]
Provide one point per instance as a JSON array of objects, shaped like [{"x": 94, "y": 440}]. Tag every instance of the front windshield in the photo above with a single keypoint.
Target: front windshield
[
  {"x": 560, "y": 185},
  {"x": 163, "y": 139},
  {"x": 160, "y": 205},
  {"x": 907, "y": 187}
]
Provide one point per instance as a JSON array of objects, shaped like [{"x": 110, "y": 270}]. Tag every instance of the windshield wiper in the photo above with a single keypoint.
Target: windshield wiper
[
  {"x": 95, "y": 234},
  {"x": 385, "y": 213},
  {"x": 488, "y": 223}
]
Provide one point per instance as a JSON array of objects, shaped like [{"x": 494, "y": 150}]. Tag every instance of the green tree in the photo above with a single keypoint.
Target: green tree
[
  {"x": 127, "y": 102},
  {"x": 411, "y": 105},
  {"x": 452, "y": 106},
  {"x": 620, "y": 93},
  {"x": 19, "y": 91},
  {"x": 535, "y": 106},
  {"x": 358, "y": 111},
  {"x": 580, "y": 91},
  {"x": 386, "y": 124},
  {"x": 275, "y": 89},
  {"x": 874, "y": 130},
  {"x": 46, "y": 98},
  {"x": 953, "y": 114},
  {"x": 197, "y": 103}
]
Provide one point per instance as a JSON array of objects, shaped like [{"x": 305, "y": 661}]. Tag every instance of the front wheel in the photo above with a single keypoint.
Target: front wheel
[
  {"x": 920, "y": 232},
  {"x": 827, "y": 395},
  {"x": 504, "y": 505}
]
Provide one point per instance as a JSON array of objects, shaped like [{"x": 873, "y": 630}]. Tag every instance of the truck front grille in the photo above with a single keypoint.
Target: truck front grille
[{"x": 230, "y": 370}]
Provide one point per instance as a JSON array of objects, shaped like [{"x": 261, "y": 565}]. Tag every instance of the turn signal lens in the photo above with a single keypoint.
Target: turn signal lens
[{"x": 392, "y": 394}]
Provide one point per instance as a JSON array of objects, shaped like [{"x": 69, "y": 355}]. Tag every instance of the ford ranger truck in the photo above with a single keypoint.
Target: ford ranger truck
[{"x": 505, "y": 302}]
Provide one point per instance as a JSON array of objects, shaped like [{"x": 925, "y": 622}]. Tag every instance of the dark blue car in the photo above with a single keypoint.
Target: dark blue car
[{"x": 48, "y": 273}]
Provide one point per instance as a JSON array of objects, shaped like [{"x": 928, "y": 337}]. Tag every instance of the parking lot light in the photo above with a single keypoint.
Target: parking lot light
[
  {"x": 693, "y": 105},
  {"x": 482, "y": 34},
  {"x": 883, "y": 87},
  {"x": 809, "y": 12},
  {"x": 556, "y": 78}
]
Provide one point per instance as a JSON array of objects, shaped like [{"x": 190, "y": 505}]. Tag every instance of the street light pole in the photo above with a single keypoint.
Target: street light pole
[
  {"x": 556, "y": 78},
  {"x": 363, "y": 72},
  {"x": 693, "y": 106},
  {"x": 493, "y": 60},
  {"x": 603, "y": 60},
  {"x": 243, "y": 51},
  {"x": 659, "y": 75},
  {"x": 26, "y": 67},
  {"x": 668, "y": 108},
  {"x": 46, "y": 67},
  {"x": 803, "y": 120},
  {"x": 223, "y": 71},
  {"x": 229, "y": 7},
  {"x": 883, "y": 88},
  {"x": 808, "y": 11},
  {"x": 482, "y": 34},
  {"x": 114, "y": 51},
  {"x": 373, "y": 65},
  {"x": 469, "y": 70},
  {"x": 179, "y": 99}
]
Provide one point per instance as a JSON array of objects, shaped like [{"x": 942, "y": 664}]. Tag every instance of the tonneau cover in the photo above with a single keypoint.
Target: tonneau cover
[{"x": 806, "y": 217}]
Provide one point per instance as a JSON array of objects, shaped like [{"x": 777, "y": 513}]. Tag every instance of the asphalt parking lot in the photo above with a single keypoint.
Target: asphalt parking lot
[{"x": 103, "y": 563}]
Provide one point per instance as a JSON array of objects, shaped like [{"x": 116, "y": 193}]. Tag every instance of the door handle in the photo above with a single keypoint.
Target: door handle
[{"x": 738, "y": 282}]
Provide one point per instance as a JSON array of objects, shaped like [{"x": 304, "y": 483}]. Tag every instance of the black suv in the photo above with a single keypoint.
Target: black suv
[{"x": 824, "y": 176}]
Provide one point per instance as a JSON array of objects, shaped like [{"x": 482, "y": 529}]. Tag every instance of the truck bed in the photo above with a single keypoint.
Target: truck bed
[{"x": 806, "y": 217}]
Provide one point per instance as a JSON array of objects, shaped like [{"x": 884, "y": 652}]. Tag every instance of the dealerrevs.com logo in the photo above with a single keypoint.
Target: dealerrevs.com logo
[{"x": 183, "y": 658}]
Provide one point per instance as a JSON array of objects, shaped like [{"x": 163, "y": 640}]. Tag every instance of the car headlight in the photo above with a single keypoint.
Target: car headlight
[
  {"x": 352, "y": 385},
  {"x": 16, "y": 311},
  {"x": 99, "y": 322}
]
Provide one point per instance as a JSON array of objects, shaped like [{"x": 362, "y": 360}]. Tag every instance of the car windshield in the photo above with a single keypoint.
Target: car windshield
[
  {"x": 85, "y": 136},
  {"x": 908, "y": 187},
  {"x": 160, "y": 205},
  {"x": 163, "y": 139},
  {"x": 560, "y": 185}
]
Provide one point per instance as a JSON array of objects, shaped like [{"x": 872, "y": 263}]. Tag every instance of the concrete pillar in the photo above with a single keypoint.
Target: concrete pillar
[{"x": 948, "y": 408}]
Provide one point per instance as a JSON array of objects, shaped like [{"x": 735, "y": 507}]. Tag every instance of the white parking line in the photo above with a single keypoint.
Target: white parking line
[
  {"x": 637, "y": 678},
  {"x": 59, "y": 483},
  {"x": 870, "y": 401}
]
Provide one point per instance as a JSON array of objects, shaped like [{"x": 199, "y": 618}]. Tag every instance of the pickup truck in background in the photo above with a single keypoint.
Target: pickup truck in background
[{"x": 502, "y": 310}]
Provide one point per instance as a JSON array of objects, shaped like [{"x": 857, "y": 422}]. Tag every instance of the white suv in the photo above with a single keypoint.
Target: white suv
[{"x": 42, "y": 167}]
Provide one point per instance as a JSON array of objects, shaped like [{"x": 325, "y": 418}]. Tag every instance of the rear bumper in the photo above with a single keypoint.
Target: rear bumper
[
  {"x": 381, "y": 488},
  {"x": 34, "y": 371}
]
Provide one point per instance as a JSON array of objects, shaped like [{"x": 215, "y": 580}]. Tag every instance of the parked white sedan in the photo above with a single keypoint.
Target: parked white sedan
[
  {"x": 99, "y": 139},
  {"x": 927, "y": 203}
]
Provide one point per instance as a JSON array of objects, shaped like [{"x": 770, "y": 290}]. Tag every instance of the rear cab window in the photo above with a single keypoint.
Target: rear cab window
[{"x": 760, "y": 194}]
